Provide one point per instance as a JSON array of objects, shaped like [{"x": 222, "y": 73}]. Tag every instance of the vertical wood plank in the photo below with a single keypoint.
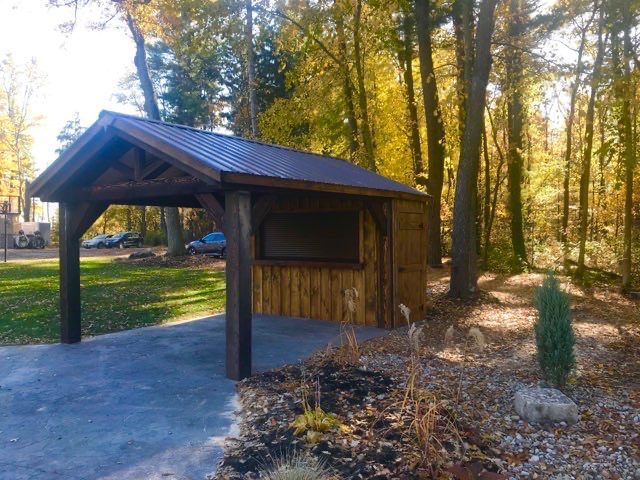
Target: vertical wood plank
[
  {"x": 347, "y": 282},
  {"x": 275, "y": 290},
  {"x": 266, "y": 289},
  {"x": 295, "y": 292},
  {"x": 358, "y": 283},
  {"x": 336, "y": 295},
  {"x": 285, "y": 291},
  {"x": 325, "y": 294},
  {"x": 370, "y": 293},
  {"x": 257, "y": 289},
  {"x": 238, "y": 272},
  {"x": 315, "y": 293},
  {"x": 305, "y": 292}
]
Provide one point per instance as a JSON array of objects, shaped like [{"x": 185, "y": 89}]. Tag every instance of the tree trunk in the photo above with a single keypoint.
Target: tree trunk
[
  {"x": 435, "y": 131},
  {"x": 496, "y": 186},
  {"x": 367, "y": 136},
  {"x": 175, "y": 239},
  {"x": 163, "y": 220},
  {"x": 515, "y": 121},
  {"x": 347, "y": 88},
  {"x": 28, "y": 212},
  {"x": 585, "y": 177},
  {"x": 463, "y": 26},
  {"x": 251, "y": 68},
  {"x": 129, "y": 218},
  {"x": 486, "y": 209},
  {"x": 624, "y": 94},
  {"x": 564, "y": 229},
  {"x": 143, "y": 221},
  {"x": 463, "y": 270},
  {"x": 405, "y": 56}
]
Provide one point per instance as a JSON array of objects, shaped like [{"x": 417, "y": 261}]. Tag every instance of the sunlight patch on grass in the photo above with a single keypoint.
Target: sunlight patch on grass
[{"x": 115, "y": 296}]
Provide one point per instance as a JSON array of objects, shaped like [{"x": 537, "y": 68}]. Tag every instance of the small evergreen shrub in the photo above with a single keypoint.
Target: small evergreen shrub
[{"x": 554, "y": 332}]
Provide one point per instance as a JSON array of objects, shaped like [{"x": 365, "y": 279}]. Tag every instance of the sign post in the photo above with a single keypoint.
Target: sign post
[
  {"x": 6, "y": 227},
  {"x": 5, "y": 209}
]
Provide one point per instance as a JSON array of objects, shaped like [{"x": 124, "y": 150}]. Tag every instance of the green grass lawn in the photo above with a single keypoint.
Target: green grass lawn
[{"x": 115, "y": 296}]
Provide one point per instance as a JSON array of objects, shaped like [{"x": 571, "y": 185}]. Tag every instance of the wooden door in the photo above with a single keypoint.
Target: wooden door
[{"x": 410, "y": 259}]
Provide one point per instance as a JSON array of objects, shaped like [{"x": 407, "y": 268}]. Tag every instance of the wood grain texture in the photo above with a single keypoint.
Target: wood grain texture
[{"x": 316, "y": 289}]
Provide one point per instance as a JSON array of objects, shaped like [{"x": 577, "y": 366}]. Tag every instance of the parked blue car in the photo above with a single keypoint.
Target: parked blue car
[
  {"x": 212, "y": 244},
  {"x": 99, "y": 241}
]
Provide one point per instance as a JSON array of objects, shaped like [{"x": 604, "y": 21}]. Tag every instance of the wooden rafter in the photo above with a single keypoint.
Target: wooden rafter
[
  {"x": 213, "y": 207},
  {"x": 129, "y": 191},
  {"x": 260, "y": 210}
]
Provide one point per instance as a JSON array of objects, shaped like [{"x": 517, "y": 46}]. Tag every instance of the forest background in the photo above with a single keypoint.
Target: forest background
[{"x": 518, "y": 117}]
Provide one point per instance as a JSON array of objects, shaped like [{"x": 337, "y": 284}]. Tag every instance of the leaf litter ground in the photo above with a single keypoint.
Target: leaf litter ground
[{"x": 477, "y": 434}]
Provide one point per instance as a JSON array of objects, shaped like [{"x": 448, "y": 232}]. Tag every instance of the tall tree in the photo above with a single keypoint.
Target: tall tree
[
  {"x": 435, "y": 130},
  {"x": 69, "y": 133},
  {"x": 622, "y": 54},
  {"x": 363, "y": 101},
  {"x": 463, "y": 251},
  {"x": 514, "y": 85},
  {"x": 568, "y": 152},
  {"x": 251, "y": 68},
  {"x": 175, "y": 239},
  {"x": 463, "y": 26},
  {"x": 18, "y": 84},
  {"x": 405, "y": 48},
  {"x": 585, "y": 176},
  {"x": 347, "y": 84}
]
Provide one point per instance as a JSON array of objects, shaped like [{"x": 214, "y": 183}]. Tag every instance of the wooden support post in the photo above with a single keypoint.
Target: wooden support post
[
  {"x": 238, "y": 270},
  {"x": 383, "y": 217},
  {"x": 69, "y": 277},
  {"x": 73, "y": 221}
]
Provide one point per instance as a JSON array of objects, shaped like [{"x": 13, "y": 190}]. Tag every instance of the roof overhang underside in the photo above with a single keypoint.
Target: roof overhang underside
[{"x": 131, "y": 161}]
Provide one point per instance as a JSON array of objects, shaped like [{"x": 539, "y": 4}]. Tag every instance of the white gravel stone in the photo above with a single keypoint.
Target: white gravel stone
[{"x": 545, "y": 405}]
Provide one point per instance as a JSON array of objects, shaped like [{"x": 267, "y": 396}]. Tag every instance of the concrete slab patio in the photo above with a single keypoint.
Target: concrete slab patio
[{"x": 151, "y": 403}]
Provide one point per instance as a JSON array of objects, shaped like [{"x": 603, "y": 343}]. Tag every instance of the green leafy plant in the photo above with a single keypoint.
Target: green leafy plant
[
  {"x": 297, "y": 466},
  {"x": 314, "y": 420},
  {"x": 555, "y": 338}
]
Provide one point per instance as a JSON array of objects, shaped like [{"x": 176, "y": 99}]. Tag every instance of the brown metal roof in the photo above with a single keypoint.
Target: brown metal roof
[{"x": 229, "y": 159}]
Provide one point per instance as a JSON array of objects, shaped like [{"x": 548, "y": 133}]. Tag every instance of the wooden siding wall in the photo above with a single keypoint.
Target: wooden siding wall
[{"x": 317, "y": 291}]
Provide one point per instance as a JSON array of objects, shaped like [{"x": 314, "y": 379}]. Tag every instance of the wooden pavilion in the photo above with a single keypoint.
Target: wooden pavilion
[{"x": 301, "y": 228}]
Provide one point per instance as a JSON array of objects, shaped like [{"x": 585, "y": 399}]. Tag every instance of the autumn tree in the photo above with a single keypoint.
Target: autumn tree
[
  {"x": 435, "y": 129},
  {"x": 463, "y": 268},
  {"x": 18, "y": 86}
]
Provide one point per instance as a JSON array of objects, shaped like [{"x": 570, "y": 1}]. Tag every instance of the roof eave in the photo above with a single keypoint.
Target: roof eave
[
  {"x": 38, "y": 187},
  {"x": 239, "y": 179}
]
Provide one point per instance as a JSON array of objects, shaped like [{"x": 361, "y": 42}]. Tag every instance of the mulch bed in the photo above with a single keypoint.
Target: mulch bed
[
  {"x": 478, "y": 434},
  {"x": 161, "y": 259},
  {"x": 375, "y": 443}
]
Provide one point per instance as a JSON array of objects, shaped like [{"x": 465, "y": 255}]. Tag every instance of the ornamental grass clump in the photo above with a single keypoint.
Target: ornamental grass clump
[
  {"x": 298, "y": 466},
  {"x": 554, "y": 332}
]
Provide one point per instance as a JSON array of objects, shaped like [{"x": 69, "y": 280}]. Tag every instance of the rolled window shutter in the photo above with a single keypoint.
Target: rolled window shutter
[{"x": 323, "y": 236}]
